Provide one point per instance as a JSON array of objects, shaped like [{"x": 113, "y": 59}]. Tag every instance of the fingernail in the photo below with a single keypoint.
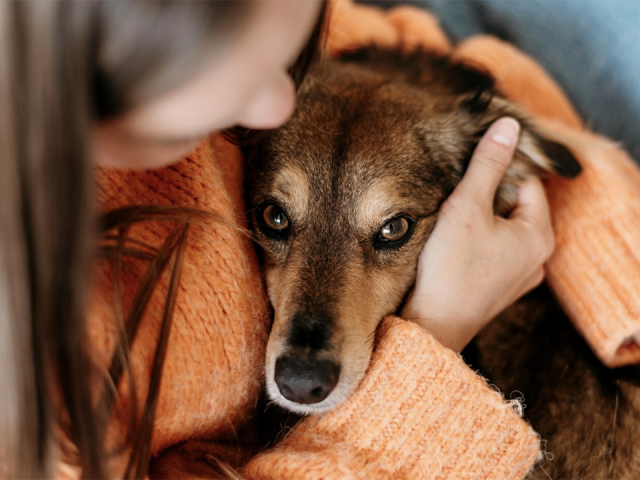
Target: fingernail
[{"x": 505, "y": 131}]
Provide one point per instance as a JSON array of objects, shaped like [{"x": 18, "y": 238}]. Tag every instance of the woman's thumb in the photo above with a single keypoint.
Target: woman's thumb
[{"x": 490, "y": 160}]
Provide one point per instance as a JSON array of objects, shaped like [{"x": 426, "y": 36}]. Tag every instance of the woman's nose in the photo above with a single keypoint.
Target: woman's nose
[{"x": 272, "y": 105}]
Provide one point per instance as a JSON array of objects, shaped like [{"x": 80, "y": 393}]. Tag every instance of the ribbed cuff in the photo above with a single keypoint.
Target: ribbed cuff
[
  {"x": 420, "y": 412},
  {"x": 595, "y": 270}
]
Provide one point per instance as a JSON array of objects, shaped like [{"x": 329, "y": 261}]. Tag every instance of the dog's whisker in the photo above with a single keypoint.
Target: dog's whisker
[
  {"x": 325, "y": 131},
  {"x": 311, "y": 77}
]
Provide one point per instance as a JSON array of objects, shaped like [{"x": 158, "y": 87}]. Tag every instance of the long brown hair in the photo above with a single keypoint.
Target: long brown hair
[{"x": 63, "y": 67}]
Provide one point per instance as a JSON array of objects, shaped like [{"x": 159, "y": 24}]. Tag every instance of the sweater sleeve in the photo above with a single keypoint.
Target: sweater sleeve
[
  {"x": 420, "y": 412},
  {"x": 595, "y": 269}
]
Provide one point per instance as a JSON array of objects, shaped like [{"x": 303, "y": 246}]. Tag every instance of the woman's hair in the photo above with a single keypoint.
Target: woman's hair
[{"x": 63, "y": 67}]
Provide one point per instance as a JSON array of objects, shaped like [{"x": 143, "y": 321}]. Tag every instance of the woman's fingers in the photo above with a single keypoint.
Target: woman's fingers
[
  {"x": 533, "y": 217},
  {"x": 532, "y": 202},
  {"x": 490, "y": 160}
]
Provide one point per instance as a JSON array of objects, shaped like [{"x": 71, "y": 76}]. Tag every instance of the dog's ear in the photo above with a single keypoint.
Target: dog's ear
[
  {"x": 547, "y": 155},
  {"x": 537, "y": 153}
]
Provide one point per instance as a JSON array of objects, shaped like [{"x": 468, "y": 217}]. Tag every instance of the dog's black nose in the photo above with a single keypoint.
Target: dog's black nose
[{"x": 306, "y": 382}]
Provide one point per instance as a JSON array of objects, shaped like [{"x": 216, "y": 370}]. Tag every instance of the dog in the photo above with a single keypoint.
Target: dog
[{"x": 343, "y": 198}]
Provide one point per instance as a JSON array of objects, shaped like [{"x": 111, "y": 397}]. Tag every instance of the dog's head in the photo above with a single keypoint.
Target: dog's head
[{"x": 345, "y": 195}]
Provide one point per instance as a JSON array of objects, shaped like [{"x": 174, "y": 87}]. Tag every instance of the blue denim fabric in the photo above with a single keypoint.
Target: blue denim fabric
[{"x": 590, "y": 47}]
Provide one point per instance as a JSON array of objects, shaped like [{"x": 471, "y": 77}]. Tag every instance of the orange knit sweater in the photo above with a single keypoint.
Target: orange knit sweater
[{"x": 420, "y": 411}]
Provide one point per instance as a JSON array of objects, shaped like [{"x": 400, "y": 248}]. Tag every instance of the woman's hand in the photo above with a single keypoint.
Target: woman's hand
[{"x": 476, "y": 264}]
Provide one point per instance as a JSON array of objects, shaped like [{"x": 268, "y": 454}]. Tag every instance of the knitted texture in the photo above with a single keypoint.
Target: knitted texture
[{"x": 419, "y": 413}]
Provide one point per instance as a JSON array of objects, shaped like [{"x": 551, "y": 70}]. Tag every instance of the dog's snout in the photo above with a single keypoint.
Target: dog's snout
[
  {"x": 310, "y": 331},
  {"x": 306, "y": 382}
]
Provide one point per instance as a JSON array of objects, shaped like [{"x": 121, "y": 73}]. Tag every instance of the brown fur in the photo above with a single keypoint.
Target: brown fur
[{"x": 380, "y": 135}]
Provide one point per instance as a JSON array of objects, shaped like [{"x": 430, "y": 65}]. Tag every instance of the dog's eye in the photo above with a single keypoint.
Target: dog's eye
[
  {"x": 395, "y": 229},
  {"x": 274, "y": 217},
  {"x": 273, "y": 221},
  {"x": 394, "y": 233}
]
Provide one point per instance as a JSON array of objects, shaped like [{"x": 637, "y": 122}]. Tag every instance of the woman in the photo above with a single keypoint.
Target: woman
[{"x": 138, "y": 85}]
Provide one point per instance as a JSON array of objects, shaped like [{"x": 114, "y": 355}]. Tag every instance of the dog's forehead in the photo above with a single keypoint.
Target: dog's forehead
[
  {"x": 366, "y": 132},
  {"x": 360, "y": 119}
]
